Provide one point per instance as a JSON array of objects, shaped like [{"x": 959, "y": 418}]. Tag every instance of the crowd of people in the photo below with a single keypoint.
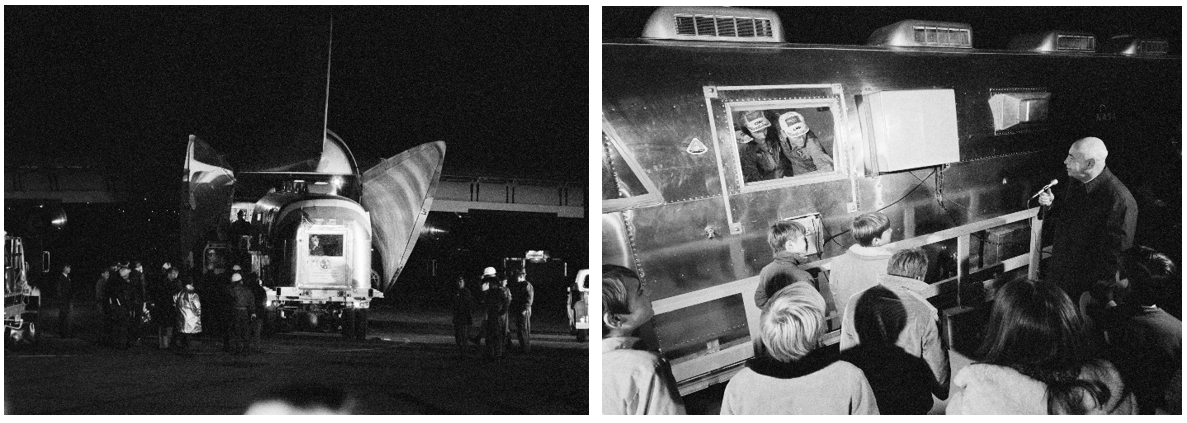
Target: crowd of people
[
  {"x": 133, "y": 303},
  {"x": 1111, "y": 350},
  {"x": 505, "y": 306}
]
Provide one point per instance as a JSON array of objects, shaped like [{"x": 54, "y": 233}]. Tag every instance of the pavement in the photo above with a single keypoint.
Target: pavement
[{"x": 408, "y": 365}]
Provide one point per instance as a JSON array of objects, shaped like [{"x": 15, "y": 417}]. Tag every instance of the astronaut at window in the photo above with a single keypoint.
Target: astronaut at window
[
  {"x": 315, "y": 248},
  {"x": 801, "y": 147},
  {"x": 759, "y": 157}
]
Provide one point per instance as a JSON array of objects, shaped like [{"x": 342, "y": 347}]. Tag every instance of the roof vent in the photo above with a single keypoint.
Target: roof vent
[
  {"x": 714, "y": 24},
  {"x": 1133, "y": 46},
  {"x": 1055, "y": 41},
  {"x": 916, "y": 33}
]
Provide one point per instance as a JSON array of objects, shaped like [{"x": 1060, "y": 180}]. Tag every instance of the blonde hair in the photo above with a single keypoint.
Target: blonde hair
[
  {"x": 793, "y": 322},
  {"x": 869, "y": 226}
]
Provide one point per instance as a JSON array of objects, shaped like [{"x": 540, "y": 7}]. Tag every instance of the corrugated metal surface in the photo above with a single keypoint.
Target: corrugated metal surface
[{"x": 398, "y": 194}]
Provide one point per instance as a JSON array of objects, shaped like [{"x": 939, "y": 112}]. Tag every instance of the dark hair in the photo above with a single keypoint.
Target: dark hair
[
  {"x": 1150, "y": 274},
  {"x": 879, "y": 317},
  {"x": 1035, "y": 329},
  {"x": 777, "y": 282}
]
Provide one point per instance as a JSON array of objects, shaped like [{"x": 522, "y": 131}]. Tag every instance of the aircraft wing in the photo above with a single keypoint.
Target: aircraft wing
[{"x": 398, "y": 194}]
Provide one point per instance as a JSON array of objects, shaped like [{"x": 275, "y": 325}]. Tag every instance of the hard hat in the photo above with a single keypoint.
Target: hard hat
[
  {"x": 236, "y": 277},
  {"x": 793, "y": 124},
  {"x": 755, "y": 121},
  {"x": 236, "y": 268},
  {"x": 490, "y": 271}
]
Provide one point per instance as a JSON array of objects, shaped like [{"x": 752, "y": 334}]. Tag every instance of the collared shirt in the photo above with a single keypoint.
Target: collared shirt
[
  {"x": 920, "y": 336},
  {"x": 636, "y": 382}
]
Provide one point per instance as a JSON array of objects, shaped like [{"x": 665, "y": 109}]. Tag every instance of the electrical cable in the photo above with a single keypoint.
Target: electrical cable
[{"x": 908, "y": 194}]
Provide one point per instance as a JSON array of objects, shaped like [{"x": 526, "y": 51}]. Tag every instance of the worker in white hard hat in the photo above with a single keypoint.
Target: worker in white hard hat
[{"x": 801, "y": 147}]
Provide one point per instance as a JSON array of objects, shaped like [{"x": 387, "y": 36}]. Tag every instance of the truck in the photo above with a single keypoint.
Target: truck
[{"x": 22, "y": 302}]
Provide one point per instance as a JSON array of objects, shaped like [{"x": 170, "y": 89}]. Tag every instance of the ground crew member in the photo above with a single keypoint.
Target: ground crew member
[
  {"x": 498, "y": 299},
  {"x": 65, "y": 308},
  {"x": 463, "y": 302},
  {"x": 243, "y": 309},
  {"x": 522, "y": 295}
]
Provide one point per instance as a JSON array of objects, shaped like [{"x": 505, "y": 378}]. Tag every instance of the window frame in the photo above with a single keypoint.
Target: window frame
[
  {"x": 651, "y": 198},
  {"x": 780, "y": 97}
]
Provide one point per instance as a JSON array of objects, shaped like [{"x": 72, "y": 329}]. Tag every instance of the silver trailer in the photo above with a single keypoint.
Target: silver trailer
[{"x": 917, "y": 124}]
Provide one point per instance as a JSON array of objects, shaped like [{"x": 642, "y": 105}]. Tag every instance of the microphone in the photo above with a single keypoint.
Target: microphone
[{"x": 1045, "y": 187}]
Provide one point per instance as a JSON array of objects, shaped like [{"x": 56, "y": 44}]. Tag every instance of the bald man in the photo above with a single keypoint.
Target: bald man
[{"x": 1094, "y": 221}]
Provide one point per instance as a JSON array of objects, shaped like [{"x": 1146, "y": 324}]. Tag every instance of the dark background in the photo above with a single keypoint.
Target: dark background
[
  {"x": 993, "y": 27},
  {"x": 119, "y": 89}
]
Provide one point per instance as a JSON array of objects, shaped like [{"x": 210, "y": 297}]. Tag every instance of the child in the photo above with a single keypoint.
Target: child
[
  {"x": 860, "y": 266},
  {"x": 633, "y": 381},
  {"x": 789, "y": 245}
]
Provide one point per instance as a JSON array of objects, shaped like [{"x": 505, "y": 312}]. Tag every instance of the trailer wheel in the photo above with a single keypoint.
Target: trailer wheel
[{"x": 361, "y": 320}]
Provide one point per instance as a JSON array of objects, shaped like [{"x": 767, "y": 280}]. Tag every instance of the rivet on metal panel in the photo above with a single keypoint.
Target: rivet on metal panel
[
  {"x": 735, "y": 228},
  {"x": 711, "y": 92},
  {"x": 878, "y": 192},
  {"x": 851, "y": 207}
]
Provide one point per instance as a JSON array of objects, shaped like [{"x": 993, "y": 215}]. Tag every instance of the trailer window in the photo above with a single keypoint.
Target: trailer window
[
  {"x": 775, "y": 143},
  {"x": 325, "y": 245},
  {"x": 778, "y": 136}
]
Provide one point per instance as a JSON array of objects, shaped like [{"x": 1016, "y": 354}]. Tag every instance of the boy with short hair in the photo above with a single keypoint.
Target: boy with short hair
[
  {"x": 789, "y": 245},
  {"x": 633, "y": 381},
  {"x": 859, "y": 268}
]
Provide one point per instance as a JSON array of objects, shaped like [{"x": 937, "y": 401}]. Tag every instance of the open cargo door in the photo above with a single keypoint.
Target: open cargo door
[
  {"x": 398, "y": 194},
  {"x": 207, "y": 189}
]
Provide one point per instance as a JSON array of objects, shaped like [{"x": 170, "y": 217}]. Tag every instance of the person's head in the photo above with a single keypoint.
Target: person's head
[
  {"x": 626, "y": 304},
  {"x": 66, "y": 268},
  {"x": 489, "y": 271},
  {"x": 879, "y": 316},
  {"x": 756, "y": 123},
  {"x": 236, "y": 268},
  {"x": 1150, "y": 273},
  {"x": 742, "y": 135},
  {"x": 787, "y": 236},
  {"x": 1034, "y": 328},
  {"x": 521, "y": 276},
  {"x": 173, "y": 273},
  {"x": 241, "y": 215},
  {"x": 138, "y": 266},
  {"x": 314, "y": 240},
  {"x": 871, "y": 229},
  {"x": 793, "y": 126},
  {"x": 792, "y": 323},
  {"x": 908, "y": 263},
  {"x": 302, "y": 398},
  {"x": 1086, "y": 159},
  {"x": 461, "y": 282},
  {"x": 166, "y": 266},
  {"x": 189, "y": 285},
  {"x": 124, "y": 272},
  {"x": 106, "y": 273}
]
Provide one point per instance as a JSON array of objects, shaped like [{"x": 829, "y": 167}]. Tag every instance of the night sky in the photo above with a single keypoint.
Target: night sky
[
  {"x": 121, "y": 88},
  {"x": 993, "y": 27}
]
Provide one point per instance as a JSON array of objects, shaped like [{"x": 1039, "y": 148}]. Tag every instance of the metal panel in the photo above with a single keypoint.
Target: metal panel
[
  {"x": 398, "y": 193},
  {"x": 910, "y": 129}
]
